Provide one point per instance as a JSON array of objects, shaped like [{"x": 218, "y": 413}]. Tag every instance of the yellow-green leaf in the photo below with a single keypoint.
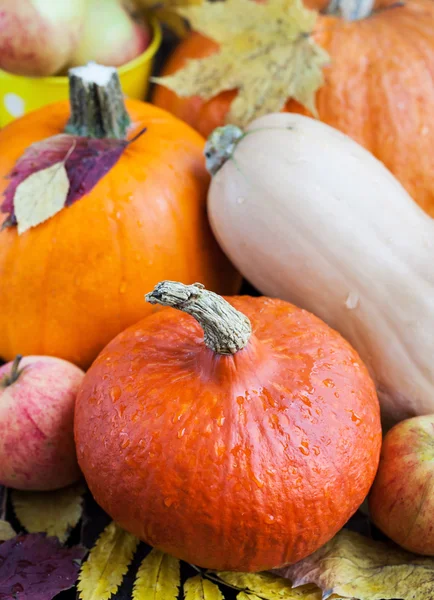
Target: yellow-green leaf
[
  {"x": 352, "y": 566},
  {"x": 40, "y": 196},
  {"x": 158, "y": 577},
  {"x": 199, "y": 588},
  {"x": 53, "y": 513},
  {"x": 108, "y": 561},
  {"x": 266, "y": 52},
  {"x": 6, "y": 531},
  {"x": 270, "y": 586},
  {"x": 246, "y": 596}
]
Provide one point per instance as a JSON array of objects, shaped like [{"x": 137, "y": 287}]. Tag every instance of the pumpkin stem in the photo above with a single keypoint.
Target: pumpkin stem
[
  {"x": 226, "y": 330},
  {"x": 14, "y": 374},
  {"x": 220, "y": 146},
  {"x": 351, "y": 10},
  {"x": 97, "y": 103}
]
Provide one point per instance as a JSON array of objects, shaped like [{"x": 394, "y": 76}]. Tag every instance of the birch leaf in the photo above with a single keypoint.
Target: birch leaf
[
  {"x": 6, "y": 531},
  {"x": 108, "y": 561},
  {"x": 352, "y": 566},
  {"x": 53, "y": 513},
  {"x": 41, "y": 196},
  {"x": 198, "y": 588},
  {"x": 269, "y": 586},
  {"x": 158, "y": 577},
  {"x": 266, "y": 53}
]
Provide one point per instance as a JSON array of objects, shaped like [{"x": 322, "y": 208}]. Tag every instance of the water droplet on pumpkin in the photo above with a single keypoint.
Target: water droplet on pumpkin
[
  {"x": 220, "y": 421},
  {"x": 269, "y": 519},
  {"x": 118, "y": 215},
  {"x": 337, "y": 394},
  {"x": 16, "y": 588},
  {"x": 115, "y": 393},
  {"x": 304, "y": 450},
  {"x": 123, "y": 287},
  {"x": 316, "y": 450},
  {"x": 329, "y": 383},
  {"x": 258, "y": 482},
  {"x": 240, "y": 200},
  {"x": 168, "y": 502},
  {"x": 355, "y": 418},
  {"x": 352, "y": 300},
  {"x": 181, "y": 432},
  {"x": 125, "y": 443}
]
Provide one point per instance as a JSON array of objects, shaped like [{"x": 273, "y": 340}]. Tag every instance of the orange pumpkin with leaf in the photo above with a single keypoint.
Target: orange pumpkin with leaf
[{"x": 377, "y": 86}]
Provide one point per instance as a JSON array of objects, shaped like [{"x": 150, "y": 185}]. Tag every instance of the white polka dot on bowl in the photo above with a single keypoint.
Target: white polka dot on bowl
[{"x": 14, "y": 104}]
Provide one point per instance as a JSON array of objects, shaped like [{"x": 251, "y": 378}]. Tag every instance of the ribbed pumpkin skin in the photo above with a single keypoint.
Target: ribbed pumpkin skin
[
  {"x": 243, "y": 462},
  {"x": 379, "y": 89},
  {"x": 71, "y": 284}
]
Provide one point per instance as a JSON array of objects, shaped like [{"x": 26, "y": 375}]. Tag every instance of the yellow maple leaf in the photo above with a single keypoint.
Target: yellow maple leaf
[
  {"x": 6, "y": 531},
  {"x": 53, "y": 513},
  {"x": 353, "y": 566},
  {"x": 266, "y": 52},
  {"x": 199, "y": 588},
  {"x": 269, "y": 586},
  {"x": 158, "y": 577},
  {"x": 40, "y": 196},
  {"x": 107, "y": 563}
]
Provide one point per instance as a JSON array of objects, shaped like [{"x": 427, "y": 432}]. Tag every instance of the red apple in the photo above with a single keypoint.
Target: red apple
[
  {"x": 37, "y": 397},
  {"x": 38, "y": 37},
  {"x": 111, "y": 36},
  {"x": 401, "y": 501}
]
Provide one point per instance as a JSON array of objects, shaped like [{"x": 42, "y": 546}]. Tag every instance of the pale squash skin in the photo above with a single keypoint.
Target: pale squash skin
[{"x": 309, "y": 216}]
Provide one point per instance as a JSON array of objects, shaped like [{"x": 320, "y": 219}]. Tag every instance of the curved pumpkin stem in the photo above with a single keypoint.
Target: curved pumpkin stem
[
  {"x": 220, "y": 146},
  {"x": 351, "y": 10},
  {"x": 227, "y": 331},
  {"x": 97, "y": 103}
]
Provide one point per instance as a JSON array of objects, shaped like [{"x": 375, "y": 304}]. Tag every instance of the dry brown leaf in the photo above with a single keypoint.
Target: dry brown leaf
[
  {"x": 199, "y": 588},
  {"x": 269, "y": 586},
  {"x": 6, "y": 531},
  {"x": 266, "y": 53},
  {"x": 53, "y": 513},
  {"x": 108, "y": 561},
  {"x": 41, "y": 196},
  {"x": 166, "y": 12},
  {"x": 353, "y": 566},
  {"x": 158, "y": 577}
]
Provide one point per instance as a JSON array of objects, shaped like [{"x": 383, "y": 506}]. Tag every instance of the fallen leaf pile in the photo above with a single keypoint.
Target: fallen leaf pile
[{"x": 266, "y": 52}]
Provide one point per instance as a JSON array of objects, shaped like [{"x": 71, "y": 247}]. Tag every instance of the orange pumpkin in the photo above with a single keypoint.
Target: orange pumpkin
[
  {"x": 378, "y": 88},
  {"x": 69, "y": 285},
  {"x": 245, "y": 448}
]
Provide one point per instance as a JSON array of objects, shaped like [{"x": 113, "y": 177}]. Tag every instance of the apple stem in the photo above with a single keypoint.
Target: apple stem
[{"x": 15, "y": 372}]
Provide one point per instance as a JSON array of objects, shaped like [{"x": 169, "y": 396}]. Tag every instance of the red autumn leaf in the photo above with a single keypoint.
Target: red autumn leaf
[
  {"x": 86, "y": 161},
  {"x": 36, "y": 567}
]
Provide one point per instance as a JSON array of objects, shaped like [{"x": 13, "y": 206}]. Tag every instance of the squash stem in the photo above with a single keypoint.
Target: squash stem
[
  {"x": 97, "y": 103},
  {"x": 227, "y": 331},
  {"x": 220, "y": 146},
  {"x": 351, "y": 10}
]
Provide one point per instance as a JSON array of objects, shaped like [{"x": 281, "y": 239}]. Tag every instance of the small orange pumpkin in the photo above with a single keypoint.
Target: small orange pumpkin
[
  {"x": 245, "y": 448},
  {"x": 378, "y": 88},
  {"x": 72, "y": 283}
]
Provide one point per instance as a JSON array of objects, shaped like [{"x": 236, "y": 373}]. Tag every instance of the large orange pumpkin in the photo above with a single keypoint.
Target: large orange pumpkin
[
  {"x": 379, "y": 88},
  {"x": 69, "y": 285},
  {"x": 245, "y": 449}
]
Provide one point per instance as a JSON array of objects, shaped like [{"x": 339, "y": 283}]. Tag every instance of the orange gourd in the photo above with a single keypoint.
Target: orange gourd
[
  {"x": 70, "y": 284},
  {"x": 379, "y": 88},
  {"x": 239, "y": 440}
]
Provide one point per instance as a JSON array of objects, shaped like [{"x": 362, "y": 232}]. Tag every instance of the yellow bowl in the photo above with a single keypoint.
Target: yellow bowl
[{"x": 20, "y": 95}]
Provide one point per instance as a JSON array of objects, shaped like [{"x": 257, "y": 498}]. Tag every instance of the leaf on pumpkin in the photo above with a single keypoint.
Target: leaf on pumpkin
[
  {"x": 352, "y": 566},
  {"x": 158, "y": 577},
  {"x": 266, "y": 53},
  {"x": 108, "y": 561},
  {"x": 199, "y": 588},
  {"x": 245, "y": 596},
  {"x": 62, "y": 167},
  {"x": 40, "y": 196},
  {"x": 269, "y": 586},
  {"x": 53, "y": 513},
  {"x": 35, "y": 567},
  {"x": 6, "y": 531}
]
